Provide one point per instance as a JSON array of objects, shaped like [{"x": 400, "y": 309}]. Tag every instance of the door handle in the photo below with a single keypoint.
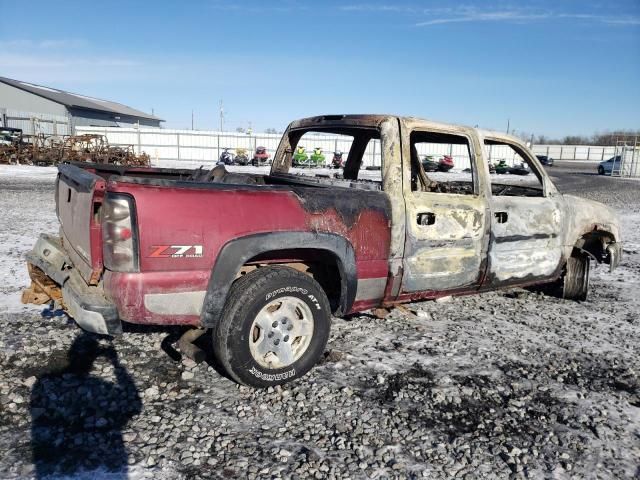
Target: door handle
[
  {"x": 426, "y": 218},
  {"x": 501, "y": 217}
]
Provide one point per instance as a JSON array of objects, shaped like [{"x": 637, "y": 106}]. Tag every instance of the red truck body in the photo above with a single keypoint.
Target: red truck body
[{"x": 182, "y": 225}]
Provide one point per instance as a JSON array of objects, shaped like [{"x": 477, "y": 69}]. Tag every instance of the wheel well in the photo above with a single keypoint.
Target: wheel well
[
  {"x": 594, "y": 244},
  {"x": 322, "y": 265}
]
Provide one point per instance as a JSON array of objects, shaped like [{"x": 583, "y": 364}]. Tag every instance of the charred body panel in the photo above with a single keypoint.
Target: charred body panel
[
  {"x": 526, "y": 239},
  {"x": 347, "y": 205},
  {"x": 446, "y": 234}
]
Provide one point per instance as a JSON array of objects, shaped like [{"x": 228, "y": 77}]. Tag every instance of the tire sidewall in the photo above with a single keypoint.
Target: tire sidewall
[
  {"x": 576, "y": 278},
  {"x": 241, "y": 362}
]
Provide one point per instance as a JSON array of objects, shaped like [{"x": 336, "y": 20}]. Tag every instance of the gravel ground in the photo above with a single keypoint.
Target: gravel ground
[{"x": 500, "y": 385}]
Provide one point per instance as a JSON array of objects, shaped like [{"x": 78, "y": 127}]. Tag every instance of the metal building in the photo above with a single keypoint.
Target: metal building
[{"x": 38, "y": 109}]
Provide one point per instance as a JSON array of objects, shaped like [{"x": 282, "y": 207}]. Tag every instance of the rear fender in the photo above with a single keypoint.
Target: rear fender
[{"x": 237, "y": 252}]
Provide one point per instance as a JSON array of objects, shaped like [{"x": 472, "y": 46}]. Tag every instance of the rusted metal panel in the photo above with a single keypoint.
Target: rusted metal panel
[
  {"x": 448, "y": 250},
  {"x": 448, "y": 253},
  {"x": 529, "y": 242},
  {"x": 392, "y": 181}
]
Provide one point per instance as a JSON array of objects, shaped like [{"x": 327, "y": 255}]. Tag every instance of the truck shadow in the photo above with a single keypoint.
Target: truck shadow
[
  {"x": 169, "y": 342},
  {"x": 77, "y": 418}
]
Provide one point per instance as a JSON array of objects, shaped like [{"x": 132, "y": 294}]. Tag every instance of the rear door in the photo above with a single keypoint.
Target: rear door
[
  {"x": 446, "y": 217},
  {"x": 526, "y": 219},
  {"x": 79, "y": 195}
]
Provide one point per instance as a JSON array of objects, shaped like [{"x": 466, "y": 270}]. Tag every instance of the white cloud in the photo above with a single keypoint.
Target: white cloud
[
  {"x": 472, "y": 14},
  {"x": 516, "y": 15},
  {"x": 497, "y": 16}
]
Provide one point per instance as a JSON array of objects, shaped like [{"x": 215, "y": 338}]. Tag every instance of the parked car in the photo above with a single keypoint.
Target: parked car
[
  {"x": 545, "y": 160},
  {"x": 606, "y": 167},
  {"x": 263, "y": 270}
]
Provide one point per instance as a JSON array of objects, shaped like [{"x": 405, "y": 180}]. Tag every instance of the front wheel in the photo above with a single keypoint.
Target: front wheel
[
  {"x": 600, "y": 171},
  {"x": 573, "y": 284},
  {"x": 274, "y": 327}
]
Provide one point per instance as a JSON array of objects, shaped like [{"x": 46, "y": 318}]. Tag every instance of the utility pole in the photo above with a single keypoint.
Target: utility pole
[
  {"x": 221, "y": 117},
  {"x": 192, "y": 119},
  {"x": 508, "y": 123}
]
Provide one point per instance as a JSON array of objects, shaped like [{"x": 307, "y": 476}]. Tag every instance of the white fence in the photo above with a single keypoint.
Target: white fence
[
  {"x": 33, "y": 124},
  {"x": 197, "y": 147},
  {"x": 575, "y": 152}
]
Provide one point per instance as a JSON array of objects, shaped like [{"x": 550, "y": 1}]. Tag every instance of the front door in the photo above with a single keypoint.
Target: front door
[{"x": 446, "y": 218}]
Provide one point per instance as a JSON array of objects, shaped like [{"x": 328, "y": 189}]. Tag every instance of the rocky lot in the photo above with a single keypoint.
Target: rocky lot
[{"x": 507, "y": 384}]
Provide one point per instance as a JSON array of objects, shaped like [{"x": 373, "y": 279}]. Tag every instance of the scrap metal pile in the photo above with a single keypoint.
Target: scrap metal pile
[{"x": 43, "y": 150}]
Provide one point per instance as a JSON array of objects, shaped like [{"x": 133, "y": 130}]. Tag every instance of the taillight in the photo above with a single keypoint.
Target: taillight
[{"x": 119, "y": 239}]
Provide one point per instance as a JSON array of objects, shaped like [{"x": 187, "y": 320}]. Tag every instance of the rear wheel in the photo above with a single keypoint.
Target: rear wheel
[{"x": 274, "y": 327}]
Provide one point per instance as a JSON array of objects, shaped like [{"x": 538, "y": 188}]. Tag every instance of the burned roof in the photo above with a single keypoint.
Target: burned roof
[{"x": 75, "y": 100}]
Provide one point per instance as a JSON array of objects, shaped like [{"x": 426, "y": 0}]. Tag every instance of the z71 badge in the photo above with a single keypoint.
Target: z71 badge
[{"x": 176, "y": 251}]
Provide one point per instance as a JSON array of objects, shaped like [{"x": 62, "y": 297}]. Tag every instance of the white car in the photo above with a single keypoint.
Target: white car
[{"x": 606, "y": 167}]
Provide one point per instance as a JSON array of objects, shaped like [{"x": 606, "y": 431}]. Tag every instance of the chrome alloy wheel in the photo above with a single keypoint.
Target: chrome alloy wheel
[{"x": 281, "y": 332}]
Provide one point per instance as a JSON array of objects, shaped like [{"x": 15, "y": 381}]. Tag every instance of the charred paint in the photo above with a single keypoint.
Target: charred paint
[{"x": 347, "y": 203}]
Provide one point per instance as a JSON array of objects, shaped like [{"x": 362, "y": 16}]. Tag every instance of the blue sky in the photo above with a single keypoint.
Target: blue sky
[{"x": 551, "y": 67}]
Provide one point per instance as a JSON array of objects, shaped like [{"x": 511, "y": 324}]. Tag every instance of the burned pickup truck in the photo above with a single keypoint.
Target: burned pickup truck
[{"x": 263, "y": 261}]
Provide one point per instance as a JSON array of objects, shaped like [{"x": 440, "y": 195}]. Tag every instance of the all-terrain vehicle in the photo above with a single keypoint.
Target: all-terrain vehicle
[
  {"x": 260, "y": 157},
  {"x": 226, "y": 157},
  {"x": 337, "y": 161},
  {"x": 444, "y": 164},
  {"x": 501, "y": 167},
  {"x": 300, "y": 158},
  {"x": 317, "y": 158},
  {"x": 519, "y": 169},
  {"x": 241, "y": 158}
]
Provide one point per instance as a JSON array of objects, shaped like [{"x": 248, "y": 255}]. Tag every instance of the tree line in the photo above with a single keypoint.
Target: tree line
[{"x": 603, "y": 139}]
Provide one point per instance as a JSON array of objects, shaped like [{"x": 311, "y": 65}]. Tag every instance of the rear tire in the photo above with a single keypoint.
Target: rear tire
[{"x": 274, "y": 327}]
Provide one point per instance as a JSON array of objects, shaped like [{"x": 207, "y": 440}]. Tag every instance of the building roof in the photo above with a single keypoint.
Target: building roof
[{"x": 77, "y": 101}]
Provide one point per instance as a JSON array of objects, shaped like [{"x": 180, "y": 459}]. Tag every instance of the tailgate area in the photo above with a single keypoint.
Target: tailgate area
[
  {"x": 79, "y": 195},
  {"x": 54, "y": 278}
]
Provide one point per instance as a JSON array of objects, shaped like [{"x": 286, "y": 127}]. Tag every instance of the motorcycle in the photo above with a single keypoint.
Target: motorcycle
[
  {"x": 300, "y": 158},
  {"x": 226, "y": 157},
  {"x": 336, "y": 161},
  {"x": 241, "y": 157},
  {"x": 260, "y": 157}
]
